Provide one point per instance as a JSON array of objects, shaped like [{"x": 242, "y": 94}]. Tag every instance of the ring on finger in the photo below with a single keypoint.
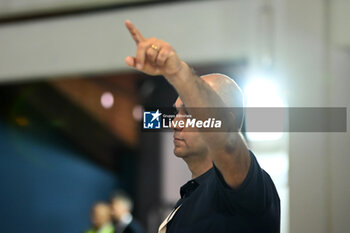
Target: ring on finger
[{"x": 155, "y": 47}]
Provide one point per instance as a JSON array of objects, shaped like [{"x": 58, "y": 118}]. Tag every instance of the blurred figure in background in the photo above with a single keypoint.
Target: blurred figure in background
[
  {"x": 101, "y": 219},
  {"x": 121, "y": 206}
]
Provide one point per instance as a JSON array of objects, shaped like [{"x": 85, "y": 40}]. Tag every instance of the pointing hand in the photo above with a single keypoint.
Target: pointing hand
[{"x": 153, "y": 56}]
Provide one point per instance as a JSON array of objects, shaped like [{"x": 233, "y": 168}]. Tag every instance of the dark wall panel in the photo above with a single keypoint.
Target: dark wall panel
[{"x": 45, "y": 184}]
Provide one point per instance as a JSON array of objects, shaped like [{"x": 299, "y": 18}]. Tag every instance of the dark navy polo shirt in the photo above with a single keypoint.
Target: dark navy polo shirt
[{"x": 209, "y": 205}]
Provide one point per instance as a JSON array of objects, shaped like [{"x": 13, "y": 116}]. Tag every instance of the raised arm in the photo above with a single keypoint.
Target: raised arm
[{"x": 227, "y": 149}]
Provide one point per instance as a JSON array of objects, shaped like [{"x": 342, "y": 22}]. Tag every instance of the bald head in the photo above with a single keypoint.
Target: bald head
[
  {"x": 226, "y": 88},
  {"x": 230, "y": 93}
]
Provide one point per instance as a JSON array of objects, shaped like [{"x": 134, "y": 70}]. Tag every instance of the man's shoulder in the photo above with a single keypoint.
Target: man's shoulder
[{"x": 107, "y": 229}]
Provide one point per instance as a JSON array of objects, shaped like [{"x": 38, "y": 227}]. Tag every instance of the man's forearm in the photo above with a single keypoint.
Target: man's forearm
[
  {"x": 194, "y": 91},
  {"x": 202, "y": 102}
]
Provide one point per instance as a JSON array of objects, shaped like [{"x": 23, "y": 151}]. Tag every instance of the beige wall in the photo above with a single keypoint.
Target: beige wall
[
  {"x": 339, "y": 159},
  {"x": 313, "y": 56},
  {"x": 99, "y": 42},
  {"x": 303, "y": 57}
]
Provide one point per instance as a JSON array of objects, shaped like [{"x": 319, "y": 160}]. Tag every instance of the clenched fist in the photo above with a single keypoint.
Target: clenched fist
[{"x": 153, "y": 56}]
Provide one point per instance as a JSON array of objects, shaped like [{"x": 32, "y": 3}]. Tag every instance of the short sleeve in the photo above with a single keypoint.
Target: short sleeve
[{"x": 252, "y": 196}]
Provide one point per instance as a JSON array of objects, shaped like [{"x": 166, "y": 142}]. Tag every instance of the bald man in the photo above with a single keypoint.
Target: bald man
[{"x": 228, "y": 192}]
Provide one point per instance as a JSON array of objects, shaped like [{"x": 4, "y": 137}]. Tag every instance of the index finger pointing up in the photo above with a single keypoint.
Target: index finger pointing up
[{"x": 135, "y": 33}]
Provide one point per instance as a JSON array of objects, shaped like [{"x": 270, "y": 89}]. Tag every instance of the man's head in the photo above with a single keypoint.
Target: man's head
[
  {"x": 188, "y": 142},
  {"x": 100, "y": 214},
  {"x": 121, "y": 204}
]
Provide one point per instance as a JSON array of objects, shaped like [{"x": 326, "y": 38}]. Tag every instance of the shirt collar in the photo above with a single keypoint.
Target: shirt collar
[
  {"x": 190, "y": 186},
  {"x": 202, "y": 178}
]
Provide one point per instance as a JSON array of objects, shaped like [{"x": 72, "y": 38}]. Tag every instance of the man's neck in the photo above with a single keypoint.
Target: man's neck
[{"x": 198, "y": 165}]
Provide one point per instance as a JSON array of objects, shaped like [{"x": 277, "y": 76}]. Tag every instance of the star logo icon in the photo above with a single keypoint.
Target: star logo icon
[
  {"x": 151, "y": 120},
  {"x": 156, "y": 115}
]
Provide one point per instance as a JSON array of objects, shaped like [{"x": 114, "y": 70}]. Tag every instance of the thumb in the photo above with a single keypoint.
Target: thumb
[{"x": 130, "y": 61}]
